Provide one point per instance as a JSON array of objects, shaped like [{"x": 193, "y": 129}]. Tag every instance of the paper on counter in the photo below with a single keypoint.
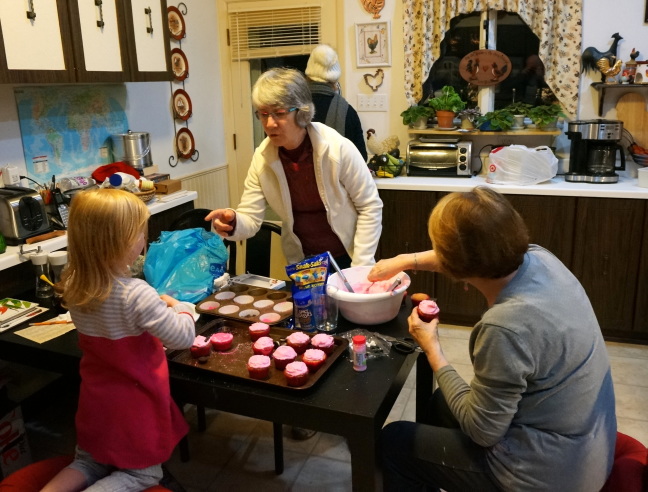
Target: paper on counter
[{"x": 45, "y": 333}]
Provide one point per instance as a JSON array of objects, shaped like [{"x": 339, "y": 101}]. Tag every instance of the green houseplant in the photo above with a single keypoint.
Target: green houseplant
[
  {"x": 519, "y": 108},
  {"x": 468, "y": 117},
  {"x": 447, "y": 105},
  {"x": 499, "y": 119},
  {"x": 545, "y": 117},
  {"x": 417, "y": 116}
]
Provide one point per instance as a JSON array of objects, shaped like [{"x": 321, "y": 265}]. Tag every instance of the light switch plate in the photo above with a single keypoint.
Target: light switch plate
[{"x": 372, "y": 102}]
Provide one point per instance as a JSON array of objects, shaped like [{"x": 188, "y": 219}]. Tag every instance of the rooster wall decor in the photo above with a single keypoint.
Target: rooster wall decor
[
  {"x": 591, "y": 57},
  {"x": 373, "y": 7},
  {"x": 376, "y": 80}
]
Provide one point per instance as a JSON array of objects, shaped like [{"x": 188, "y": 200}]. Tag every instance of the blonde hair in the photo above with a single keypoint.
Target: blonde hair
[
  {"x": 104, "y": 226},
  {"x": 477, "y": 234}
]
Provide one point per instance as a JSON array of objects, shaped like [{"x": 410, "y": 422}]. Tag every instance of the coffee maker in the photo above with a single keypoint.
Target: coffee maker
[{"x": 594, "y": 151}]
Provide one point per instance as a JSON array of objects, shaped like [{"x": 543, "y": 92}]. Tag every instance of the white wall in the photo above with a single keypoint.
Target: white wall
[{"x": 149, "y": 104}]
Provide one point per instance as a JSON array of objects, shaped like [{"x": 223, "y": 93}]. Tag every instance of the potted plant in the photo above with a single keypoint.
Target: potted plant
[
  {"x": 417, "y": 116},
  {"x": 447, "y": 105},
  {"x": 497, "y": 120},
  {"x": 468, "y": 117},
  {"x": 519, "y": 110},
  {"x": 545, "y": 117}
]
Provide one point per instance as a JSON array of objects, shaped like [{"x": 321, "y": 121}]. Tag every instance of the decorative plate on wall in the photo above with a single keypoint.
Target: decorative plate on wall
[
  {"x": 179, "y": 64},
  {"x": 181, "y": 105},
  {"x": 176, "y": 23},
  {"x": 185, "y": 143},
  {"x": 485, "y": 67}
]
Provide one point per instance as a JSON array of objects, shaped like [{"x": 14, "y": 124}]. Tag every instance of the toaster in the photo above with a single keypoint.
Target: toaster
[{"x": 22, "y": 214}]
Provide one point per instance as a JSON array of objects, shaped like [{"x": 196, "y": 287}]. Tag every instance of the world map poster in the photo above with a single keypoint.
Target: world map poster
[{"x": 66, "y": 130}]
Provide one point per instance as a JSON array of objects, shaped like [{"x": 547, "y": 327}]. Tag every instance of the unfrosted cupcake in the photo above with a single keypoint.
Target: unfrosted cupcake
[
  {"x": 263, "y": 346},
  {"x": 200, "y": 347},
  {"x": 314, "y": 359},
  {"x": 283, "y": 356},
  {"x": 221, "y": 341},
  {"x": 258, "y": 330},
  {"x": 418, "y": 297},
  {"x": 296, "y": 374},
  {"x": 258, "y": 366},
  {"x": 299, "y": 341},
  {"x": 284, "y": 307},
  {"x": 428, "y": 310},
  {"x": 324, "y": 342}
]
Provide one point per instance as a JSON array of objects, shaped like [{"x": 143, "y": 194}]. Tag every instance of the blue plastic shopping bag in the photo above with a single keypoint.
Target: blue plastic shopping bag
[{"x": 184, "y": 264}]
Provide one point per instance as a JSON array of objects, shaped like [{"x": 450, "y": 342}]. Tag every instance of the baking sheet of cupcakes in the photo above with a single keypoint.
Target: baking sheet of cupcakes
[
  {"x": 248, "y": 303},
  {"x": 233, "y": 362}
]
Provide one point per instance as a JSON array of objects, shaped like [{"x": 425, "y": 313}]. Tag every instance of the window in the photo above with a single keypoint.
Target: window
[{"x": 514, "y": 38}]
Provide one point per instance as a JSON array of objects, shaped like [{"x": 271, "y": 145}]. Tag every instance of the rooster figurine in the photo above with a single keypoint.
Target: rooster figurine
[
  {"x": 377, "y": 147},
  {"x": 609, "y": 70},
  {"x": 591, "y": 56}
]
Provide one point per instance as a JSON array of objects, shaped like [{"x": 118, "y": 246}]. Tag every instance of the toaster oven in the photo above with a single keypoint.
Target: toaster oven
[
  {"x": 22, "y": 214},
  {"x": 450, "y": 157}
]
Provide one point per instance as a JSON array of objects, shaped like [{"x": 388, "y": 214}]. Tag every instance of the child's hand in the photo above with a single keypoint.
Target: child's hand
[{"x": 170, "y": 301}]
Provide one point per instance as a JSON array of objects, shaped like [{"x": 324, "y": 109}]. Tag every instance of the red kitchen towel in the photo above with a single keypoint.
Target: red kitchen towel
[{"x": 103, "y": 172}]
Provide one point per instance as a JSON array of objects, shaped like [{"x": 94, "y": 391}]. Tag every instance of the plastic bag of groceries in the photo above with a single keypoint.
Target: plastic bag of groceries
[{"x": 521, "y": 165}]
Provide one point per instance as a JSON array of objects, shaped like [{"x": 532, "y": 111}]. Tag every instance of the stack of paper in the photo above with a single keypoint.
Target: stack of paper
[{"x": 14, "y": 311}]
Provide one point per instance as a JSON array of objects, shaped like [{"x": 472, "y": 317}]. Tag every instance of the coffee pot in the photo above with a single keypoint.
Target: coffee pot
[{"x": 594, "y": 148}]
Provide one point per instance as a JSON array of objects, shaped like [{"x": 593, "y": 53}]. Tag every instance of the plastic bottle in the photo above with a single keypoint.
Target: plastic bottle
[
  {"x": 121, "y": 180},
  {"x": 359, "y": 353}
]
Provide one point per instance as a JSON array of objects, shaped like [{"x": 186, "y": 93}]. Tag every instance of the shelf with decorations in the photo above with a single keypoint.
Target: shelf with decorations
[
  {"x": 456, "y": 133},
  {"x": 181, "y": 104},
  {"x": 603, "y": 88}
]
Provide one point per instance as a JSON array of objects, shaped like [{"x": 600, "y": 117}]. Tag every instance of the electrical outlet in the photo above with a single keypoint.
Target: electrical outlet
[{"x": 372, "y": 102}]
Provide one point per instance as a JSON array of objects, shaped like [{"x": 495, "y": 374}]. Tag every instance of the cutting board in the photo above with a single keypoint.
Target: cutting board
[{"x": 631, "y": 109}]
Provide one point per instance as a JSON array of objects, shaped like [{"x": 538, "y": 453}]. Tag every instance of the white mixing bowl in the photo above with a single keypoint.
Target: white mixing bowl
[{"x": 366, "y": 309}]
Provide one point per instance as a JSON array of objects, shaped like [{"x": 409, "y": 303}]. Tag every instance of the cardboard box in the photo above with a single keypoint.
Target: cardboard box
[
  {"x": 14, "y": 448},
  {"x": 157, "y": 177},
  {"x": 168, "y": 186}
]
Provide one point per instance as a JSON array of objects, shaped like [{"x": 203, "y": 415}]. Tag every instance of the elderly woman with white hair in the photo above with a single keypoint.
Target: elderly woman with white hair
[{"x": 312, "y": 177}]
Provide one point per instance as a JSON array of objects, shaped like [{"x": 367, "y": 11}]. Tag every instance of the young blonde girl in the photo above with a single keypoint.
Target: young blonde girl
[{"x": 126, "y": 423}]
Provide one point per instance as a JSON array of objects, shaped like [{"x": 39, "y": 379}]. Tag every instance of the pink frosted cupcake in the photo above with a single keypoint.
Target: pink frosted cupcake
[
  {"x": 258, "y": 330},
  {"x": 428, "y": 310},
  {"x": 258, "y": 366},
  {"x": 221, "y": 341},
  {"x": 324, "y": 342},
  {"x": 283, "y": 356},
  {"x": 314, "y": 359},
  {"x": 263, "y": 346},
  {"x": 299, "y": 341},
  {"x": 201, "y": 347},
  {"x": 296, "y": 374}
]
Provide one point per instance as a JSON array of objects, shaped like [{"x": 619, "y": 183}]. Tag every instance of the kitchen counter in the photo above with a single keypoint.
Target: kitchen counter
[
  {"x": 161, "y": 203},
  {"x": 627, "y": 186}
]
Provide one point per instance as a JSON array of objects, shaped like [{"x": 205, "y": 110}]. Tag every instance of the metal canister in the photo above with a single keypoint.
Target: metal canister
[{"x": 133, "y": 148}]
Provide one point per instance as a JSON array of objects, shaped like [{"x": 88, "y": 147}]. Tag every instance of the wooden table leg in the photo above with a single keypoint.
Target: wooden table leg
[
  {"x": 278, "y": 447},
  {"x": 365, "y": 475},
  {"x": 424, "y": 385}
]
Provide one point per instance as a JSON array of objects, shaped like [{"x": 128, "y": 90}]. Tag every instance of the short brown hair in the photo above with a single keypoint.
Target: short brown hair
[{"x": 477, "y": 233}]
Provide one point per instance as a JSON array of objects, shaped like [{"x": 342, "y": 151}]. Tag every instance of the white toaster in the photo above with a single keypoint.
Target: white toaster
[{"x": 22, "y": 214}]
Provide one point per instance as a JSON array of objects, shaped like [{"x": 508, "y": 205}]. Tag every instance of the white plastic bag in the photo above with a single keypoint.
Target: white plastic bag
[{"x": 521, "y": 165}]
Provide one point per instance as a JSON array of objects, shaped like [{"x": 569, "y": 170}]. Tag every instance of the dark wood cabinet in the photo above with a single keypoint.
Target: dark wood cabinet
[
  {"x": 606, "y": 260},
  {"x": 84, "y": 41},
  {"x": 603, "y": 241}
]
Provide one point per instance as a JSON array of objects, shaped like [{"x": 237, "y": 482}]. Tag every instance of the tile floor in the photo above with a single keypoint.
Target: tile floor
[{"x": 235, "y": 453}]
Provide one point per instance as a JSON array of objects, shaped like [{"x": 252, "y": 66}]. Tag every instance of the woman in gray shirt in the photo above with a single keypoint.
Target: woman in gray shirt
[{"x": 539, "y": 413}]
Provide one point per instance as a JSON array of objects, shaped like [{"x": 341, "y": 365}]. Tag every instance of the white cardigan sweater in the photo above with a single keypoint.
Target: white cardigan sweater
[{"x": 346, "y": 187}]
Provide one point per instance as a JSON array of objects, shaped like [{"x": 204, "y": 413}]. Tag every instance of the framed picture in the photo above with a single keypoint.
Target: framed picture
[{"x": 373, "y": 48}]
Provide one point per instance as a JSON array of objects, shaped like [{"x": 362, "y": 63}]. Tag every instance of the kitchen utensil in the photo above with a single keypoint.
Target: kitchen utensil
[
  {"x": 405, "y": 345},
  {"x": 44, "y": 323},
  {"x": 22, "y": 214},
  {"x": 394, "y": 284},
  {"x": 44, "y": 277},
  {"x": 594, "y": 147},
  {"x": 337, "y": 269}
]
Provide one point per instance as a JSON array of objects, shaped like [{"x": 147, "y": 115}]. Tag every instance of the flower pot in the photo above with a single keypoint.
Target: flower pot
[
  {"x": 553, "y": 125},
  {"x": 467, "y": 123},
  {"x": 445, "y": 119},
  {"x": 518, "y": 122},
  {"x": 421, "y": 123}
]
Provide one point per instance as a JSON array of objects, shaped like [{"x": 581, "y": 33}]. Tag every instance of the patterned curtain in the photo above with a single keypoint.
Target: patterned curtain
[{"x": 557, "y": 23}]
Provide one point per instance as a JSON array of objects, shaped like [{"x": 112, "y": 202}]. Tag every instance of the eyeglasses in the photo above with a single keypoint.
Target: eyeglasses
[{"x": 280, "y": 114}]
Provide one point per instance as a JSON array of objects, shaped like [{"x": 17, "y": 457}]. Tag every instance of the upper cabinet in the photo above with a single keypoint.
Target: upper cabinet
[{"x": 49, "y": 41}]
